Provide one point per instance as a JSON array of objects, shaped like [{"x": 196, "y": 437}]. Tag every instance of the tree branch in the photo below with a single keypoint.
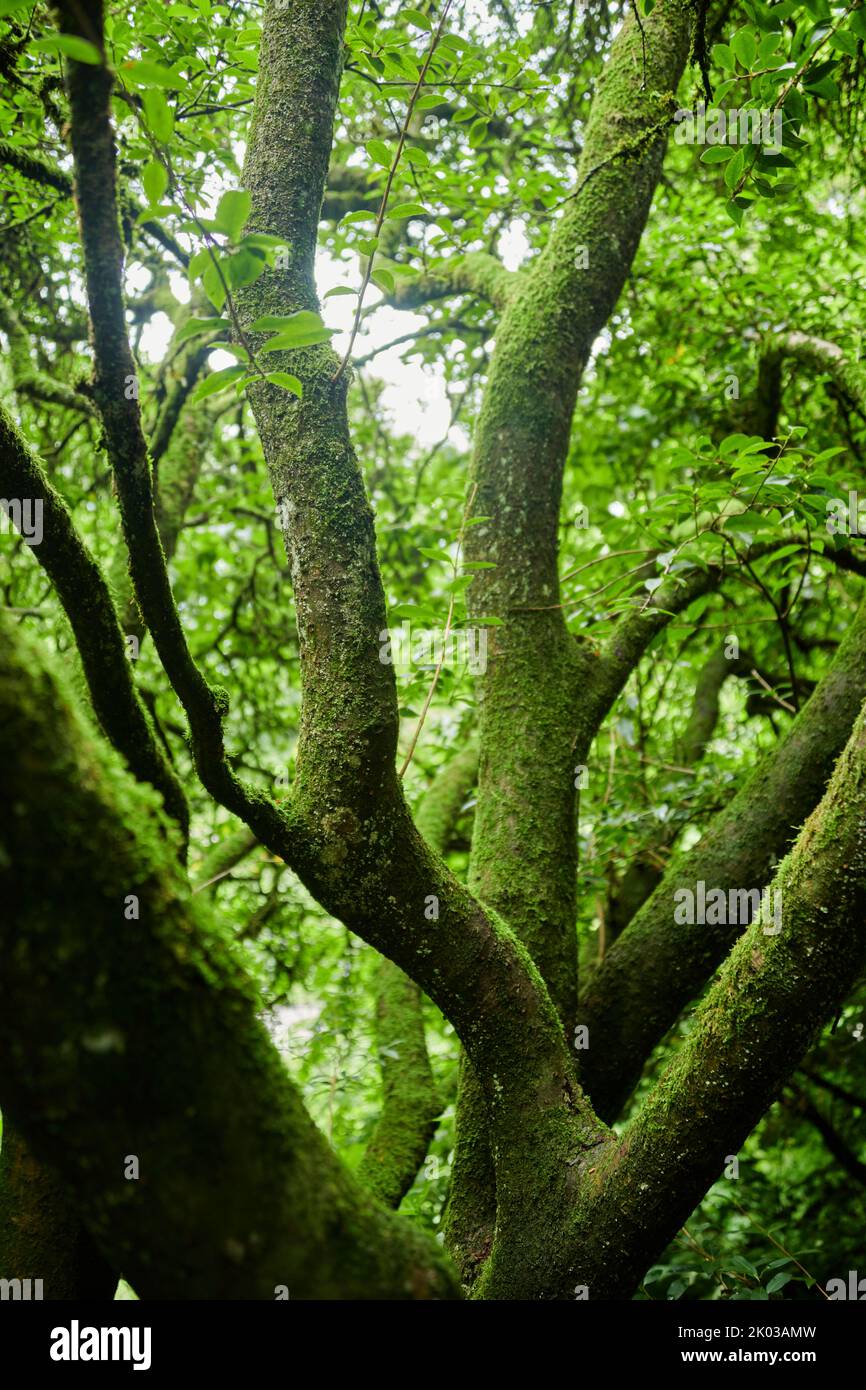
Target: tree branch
[
  {"x": 107, "y": 1028},
  {"x": 658, "y": 965},
  {"x": 87, "y": 602}
]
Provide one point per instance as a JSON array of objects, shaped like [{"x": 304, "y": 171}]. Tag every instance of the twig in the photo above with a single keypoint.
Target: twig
[
  {"x": 448, "y": 622},
  {"x": 383, "y": 206}
]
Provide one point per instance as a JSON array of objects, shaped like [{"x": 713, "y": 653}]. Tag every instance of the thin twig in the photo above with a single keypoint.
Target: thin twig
[
  {"x": 383, "y": 206},
  {"x": 448, "y": 622}
]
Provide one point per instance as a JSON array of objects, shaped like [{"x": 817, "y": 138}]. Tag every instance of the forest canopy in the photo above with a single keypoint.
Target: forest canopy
[{"x": 432, "y": 649}]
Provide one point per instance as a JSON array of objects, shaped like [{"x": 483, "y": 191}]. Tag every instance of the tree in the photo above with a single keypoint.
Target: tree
[{"x": 151, "y": 1127}]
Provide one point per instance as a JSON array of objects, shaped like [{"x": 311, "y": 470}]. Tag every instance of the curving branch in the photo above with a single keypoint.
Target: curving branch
[
  {"x": 363, "y": 858},
  {"x": 535, "y": 670},
  {"x": 88, "y": 605},
  {"x": 89, "y": 88},
  {"x": 478, "y": 274},
  {"x": 819, "y": 356},
  {"x": 775, "y": 991},
  {"x": 95, "y": 1076}
]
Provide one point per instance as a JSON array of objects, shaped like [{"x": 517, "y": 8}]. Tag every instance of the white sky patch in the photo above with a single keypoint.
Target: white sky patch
[
  {"x": 513, "y": 246},
  {"x": 415, "y": 398},
  {"x": 155, "y": 337}
]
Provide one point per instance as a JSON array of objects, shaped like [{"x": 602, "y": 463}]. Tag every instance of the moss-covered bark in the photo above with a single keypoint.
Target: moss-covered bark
[
  {"x": 132, "y": 1037},
  {"x": 87, "y": 602},
  {"x": 775, "y": 991},
  {"x": 359, "y": 852},
  {"x": 478, "y": 274},
  {"x": 533, "y": 732},
  {"x": 40, "y": 1234},
  {"x": 657, "y": 965},
  {"x": 410, "y": 1104}
]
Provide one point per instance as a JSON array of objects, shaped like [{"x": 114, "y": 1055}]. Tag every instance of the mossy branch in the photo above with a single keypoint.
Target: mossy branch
[
  {"x": 657, "y": 966},
  {"x": 107, "y": 1045},
  {"x": 781, "y": 983},
  {"x": 115, "y": 391},
  {"x": 87, "y": 602}
]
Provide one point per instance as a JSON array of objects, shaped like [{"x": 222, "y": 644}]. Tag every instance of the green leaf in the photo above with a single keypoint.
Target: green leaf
[
  {"x": 825, "y": 88},
  {"x": 234, "y": 350},
  {"x": 144, "y": 74},
  {"x": 243, "y": 268},
  {"x": 81, "y": 50},
  {"x": 158, "y": 115},
  {"x": 303, "y": 329},
  {"x": 736, "y": 444},
  {"x": 417, "y": 18},
  {"x": 288, "y": 342},
  {"x": 478, "y": 132},
  {"x": 717, "y": 154},
  {"x": 272, "y": 323},
  {"x": 723, "y": 55},
  {"x": 213, "y": 285},
  {"x": 288, "y": 383},
  {"x": 844, "y": 42},
  {"x": 767, "y": 47},
  {"x": 263, "y": 241},
  {"x": 217, "y": 381},
  {"x": 232, "y": 212},
  {"x": 384, "y": 280},
  {"x": 734, "y": 169},
  {"x": 379, "y": 153},
  {"x": 359, "y": 215},
  {"x": 745, "y": 46},
  {"x": 338, "y": 290},
  {"x": 10, "y": 6},
  {"x": 198, "y": 264},
  {"x": 403, "y": 210},
  {"x": 154, "y": 177},
  {"x": 193, "y": 328}
]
